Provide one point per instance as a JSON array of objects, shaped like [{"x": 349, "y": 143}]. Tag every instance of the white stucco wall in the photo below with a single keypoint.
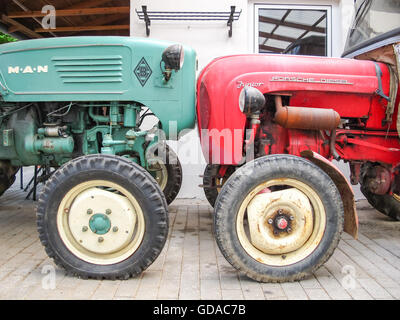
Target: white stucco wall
[{"x": 210, "y": 39}]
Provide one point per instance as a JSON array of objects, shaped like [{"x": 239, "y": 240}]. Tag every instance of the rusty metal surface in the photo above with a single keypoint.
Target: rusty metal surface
[
  {"x": 305, "y": 118},
  {"x": 344, "y": 187},
  {"x": 280, "y": 221},
  {"x": 378, "y": 180}
]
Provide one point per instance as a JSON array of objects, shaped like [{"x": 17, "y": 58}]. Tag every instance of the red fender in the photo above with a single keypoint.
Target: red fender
[{"x": 344, "y": 187}]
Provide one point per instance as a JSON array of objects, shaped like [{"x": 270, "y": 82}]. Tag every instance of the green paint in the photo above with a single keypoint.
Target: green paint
[
  {"x": 74, "y": 69},
  {"x": 90, "y": 92},
  {"x": 8, "y": 137},
  {"x": 99, "y": 223}
]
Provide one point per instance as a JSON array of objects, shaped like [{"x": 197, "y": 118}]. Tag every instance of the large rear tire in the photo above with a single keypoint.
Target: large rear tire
[
  {"x": 168, "y": 174},
  {"x": 387, "y": 204},
  {"x": 213, "y": 181},
  {"x": 102, "y": 216},
  {"x": 7, "y": 175},
  {"x": 278, "y": 218}
]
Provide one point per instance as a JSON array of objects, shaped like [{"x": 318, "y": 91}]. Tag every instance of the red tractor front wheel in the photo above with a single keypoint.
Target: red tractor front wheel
[{"x": 278, "y": 218}]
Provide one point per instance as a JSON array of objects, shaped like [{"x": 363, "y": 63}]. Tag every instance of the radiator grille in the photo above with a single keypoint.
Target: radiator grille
[{"x": 89, "y": 69}]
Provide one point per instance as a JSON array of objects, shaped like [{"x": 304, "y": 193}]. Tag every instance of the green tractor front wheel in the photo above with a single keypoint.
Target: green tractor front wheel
[{"x": 103, "y": 217}]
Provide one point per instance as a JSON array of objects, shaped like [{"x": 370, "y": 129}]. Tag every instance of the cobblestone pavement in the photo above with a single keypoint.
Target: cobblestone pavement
[{"x": 191, "y": 266}]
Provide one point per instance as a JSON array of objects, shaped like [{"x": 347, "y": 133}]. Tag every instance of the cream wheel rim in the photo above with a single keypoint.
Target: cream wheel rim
[
  {"x": 100, "y": 226},
  {"x": 396, "y": 197},
  {"x": 161, "y": 173},
  {"x": 314, "y": 230}
]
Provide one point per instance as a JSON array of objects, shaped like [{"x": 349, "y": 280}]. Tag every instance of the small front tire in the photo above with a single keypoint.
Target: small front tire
[{"x": 103, "y": 217}]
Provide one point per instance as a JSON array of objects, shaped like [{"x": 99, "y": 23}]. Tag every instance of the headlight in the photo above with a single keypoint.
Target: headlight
[
  {"x": 251, "y": 100},
  {"x": 173, "y": 57}
]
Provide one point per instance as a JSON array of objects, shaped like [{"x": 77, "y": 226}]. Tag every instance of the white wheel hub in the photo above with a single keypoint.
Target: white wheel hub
[
  {"x": 101, "y": 221},
  {"x": 280, "y": 221}
]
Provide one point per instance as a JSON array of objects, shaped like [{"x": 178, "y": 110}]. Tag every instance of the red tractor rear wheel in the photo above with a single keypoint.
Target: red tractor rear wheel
[
  {"x": 387, "y": 204},
  {"x": 213, "y": 181}
]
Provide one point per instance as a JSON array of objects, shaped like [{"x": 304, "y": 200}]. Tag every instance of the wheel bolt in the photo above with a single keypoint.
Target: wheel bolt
[
  {"x": 84, "y": 228},
  {"x": 108, "y": 211},
  {"x": 101, "y": 239},
  {"x": 89, "y": 211},
  {"x": 115, "y": 229},
  {"x": 270, "y": 221}
]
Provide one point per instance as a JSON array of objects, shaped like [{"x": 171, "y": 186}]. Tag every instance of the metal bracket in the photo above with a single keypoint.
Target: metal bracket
[
  {"x": 148, "y": 16},
  {"x": 36, "y": 179},
  {"x": 4, "y": 87},
  {"x": 229, "y": 23},
  {"x": 146, "y": 20},
  {"x": 379, "y": 91}
]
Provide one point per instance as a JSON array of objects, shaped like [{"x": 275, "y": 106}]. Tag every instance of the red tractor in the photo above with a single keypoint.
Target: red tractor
[{"x": 280, "y": 216}]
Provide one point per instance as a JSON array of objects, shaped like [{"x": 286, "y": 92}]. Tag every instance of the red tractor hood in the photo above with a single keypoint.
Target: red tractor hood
[{"x": 345, "y": 85}]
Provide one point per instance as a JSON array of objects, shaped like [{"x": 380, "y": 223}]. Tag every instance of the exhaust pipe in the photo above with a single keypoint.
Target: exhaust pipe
[{"x": 305, "y": 118}]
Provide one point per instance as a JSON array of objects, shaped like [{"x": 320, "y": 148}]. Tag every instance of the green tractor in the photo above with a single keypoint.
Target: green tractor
[{"x": 78, "y": 105}]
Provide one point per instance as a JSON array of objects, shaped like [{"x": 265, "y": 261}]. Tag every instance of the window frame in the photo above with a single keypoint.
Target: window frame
[{"x": 327, "y": 8}]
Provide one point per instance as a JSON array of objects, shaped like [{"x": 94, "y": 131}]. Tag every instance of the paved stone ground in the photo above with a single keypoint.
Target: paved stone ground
[{"x": 191, "y": 266}]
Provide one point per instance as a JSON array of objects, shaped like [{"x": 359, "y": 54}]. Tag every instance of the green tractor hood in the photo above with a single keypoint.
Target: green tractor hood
[{"x": 99, "y": 69}]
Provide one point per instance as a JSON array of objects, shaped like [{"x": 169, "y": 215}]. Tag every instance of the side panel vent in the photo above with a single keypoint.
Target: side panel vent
[{"x": 89, "y": 69}]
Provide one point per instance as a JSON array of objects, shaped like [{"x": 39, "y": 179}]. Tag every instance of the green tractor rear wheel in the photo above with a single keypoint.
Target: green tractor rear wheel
[
  {"x": 7, "y": 175},
  {"x": 168, "y": 173}
]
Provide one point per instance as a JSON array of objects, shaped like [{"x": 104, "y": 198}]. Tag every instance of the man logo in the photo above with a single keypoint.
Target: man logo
[{"x": 28, "y": 69}]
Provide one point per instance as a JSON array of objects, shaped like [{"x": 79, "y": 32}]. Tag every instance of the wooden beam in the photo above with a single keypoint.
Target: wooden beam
[
  {"x": 104, "y": 20},
  {"x": 87, "y": 4},
  {"x": 13, "y": 29},
  {"x": 71, "y": 12},
  {"x": 291, "y": 24},
  {"x": 85, "y": 28},
  {"x": 268, "y": 48},
  {"x": 276, "y": 37},
  {"x": 21, "y": 27},
  {"x": 83, "y": 5},
  {"x": 67, "y": 20},
  {"x": 24, "y": 8}
]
